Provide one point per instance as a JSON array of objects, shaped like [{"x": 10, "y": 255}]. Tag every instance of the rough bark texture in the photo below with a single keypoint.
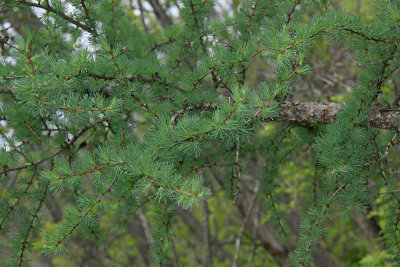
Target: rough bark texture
[{"x": 384, "y": 117}]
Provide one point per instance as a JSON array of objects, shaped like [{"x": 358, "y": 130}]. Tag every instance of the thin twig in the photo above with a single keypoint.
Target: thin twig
[
  {"x": 291, "y": 12},
  {"x": 317, "y": 222},
  {"x": 98, "y": 200},
  {"x": 238, "y": 169},
  {"x": 206, "y": 234},
  {"x": 34, "y": 217},
  {"x": 245, "y": 221},
  {"x": 15, "y": 204},
  {"x": 48, "y": 8},
  {"x": 254, "y": 238},
  {"x": 108, "y": 164},
  {"x": 66, "y": 145}
]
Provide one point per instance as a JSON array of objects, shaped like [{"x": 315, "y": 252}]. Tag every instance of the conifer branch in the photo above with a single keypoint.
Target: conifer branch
[
  {"x": 156, "y": 46},
  {"x": 280, "y": 51},
  {"x": 18, "y": 146},
  {"x": 48, "y": 8},
  {"x": 31, "y": 225},
  {"x": 272, "y": 97},
  {"x": 269, "y": 194},
  {"x": 231, "y": 112},
  {"x": 98, "y": 200},
  {"x": 382, "y": 77},
  {"x": 196, "y": 83},
  {"x": 207, "y": 48},
  {"x": 90, "y": 227},
  {"x": 308, "y": 113},
  {"x": 64, "y": 147},
  {"x": 135, "y": 96},
  {"x": 35, "y": 134},
  {"x": 171, "y": 188},
  {"x": 291, "y": 12},
  {"x": 108, "y": 164},
  {"x": 386, "y": 41},
  {"x": 70, "y": 109},
  {"x": 203, "y": 47},
  {"x": 83, "y": 4},
  {"x": 15, "y": 204},
  {"x": 251, "y": 16},
  {"x": 379, "y": 157},
  {"x": 28, "y": 55},
  {"x": 317, "y": 222}
]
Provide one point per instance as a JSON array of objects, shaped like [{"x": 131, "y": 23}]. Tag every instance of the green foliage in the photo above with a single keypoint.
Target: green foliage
[{"x": 126, "y": 122}]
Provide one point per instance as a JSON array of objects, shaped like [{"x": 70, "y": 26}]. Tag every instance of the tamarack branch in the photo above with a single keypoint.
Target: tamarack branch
[{"x": 306, "y": 113}]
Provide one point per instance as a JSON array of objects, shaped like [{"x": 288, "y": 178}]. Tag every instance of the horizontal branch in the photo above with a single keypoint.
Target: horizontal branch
[{"x": 384, "y": 117}]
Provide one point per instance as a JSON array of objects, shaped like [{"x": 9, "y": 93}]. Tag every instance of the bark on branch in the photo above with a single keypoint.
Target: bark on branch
[{"x": 384, "y": 117}]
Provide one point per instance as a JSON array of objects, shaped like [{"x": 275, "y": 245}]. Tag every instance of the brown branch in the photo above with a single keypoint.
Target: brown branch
[
  {"x": 307, "y": 113},
  {"x": 83, "y": 4},
  {"x": 18, "y": 146},
  {"x": 291, "y": 12},
  {"x": 170, "y": 40},
  {"x": 196, "y": 83},
  {"x": 231, "y": 112},
  {"x": 280, "y": 51},
  {"x": 28, "y": 55},
  {"x": 386, "y": 41},
  {"x": 3, "y": 41},
  {"x": 37, "y": 136}
]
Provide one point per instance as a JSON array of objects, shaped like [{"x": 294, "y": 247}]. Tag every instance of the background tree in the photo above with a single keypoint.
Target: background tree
[{"x": 183, "y": 133}]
